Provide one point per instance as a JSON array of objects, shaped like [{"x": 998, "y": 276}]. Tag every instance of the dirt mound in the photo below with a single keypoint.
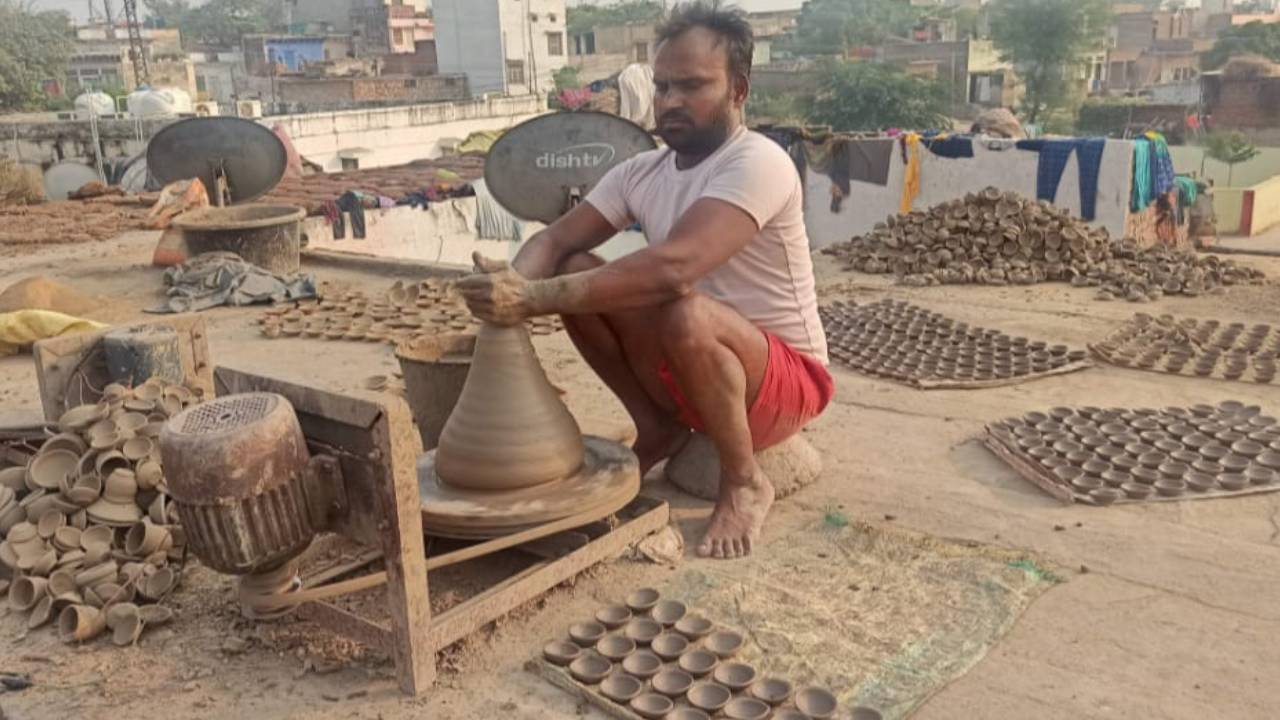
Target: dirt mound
[
  {"x": 41, "y": 293},
  {"x": 20, "y": 184}
]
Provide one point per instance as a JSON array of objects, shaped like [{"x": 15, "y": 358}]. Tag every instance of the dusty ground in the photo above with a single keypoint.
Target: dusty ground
[{"x": 1167, "y": 611}]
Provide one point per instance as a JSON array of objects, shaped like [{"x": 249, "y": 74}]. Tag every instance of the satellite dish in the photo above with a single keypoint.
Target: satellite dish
[
  {"x": 540, "y": 168},
  {"x": 239, "y": 155},
  {"x": 67, "y": 177}
]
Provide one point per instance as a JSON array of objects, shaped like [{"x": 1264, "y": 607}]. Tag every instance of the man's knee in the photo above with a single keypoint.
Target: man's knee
[
  {"x": 685, "y": 325},
  {"x": 579, "y": 262}
]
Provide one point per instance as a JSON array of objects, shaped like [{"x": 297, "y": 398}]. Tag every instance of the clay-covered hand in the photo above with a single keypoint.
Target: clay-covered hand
[{"x": 496, "y": 293}]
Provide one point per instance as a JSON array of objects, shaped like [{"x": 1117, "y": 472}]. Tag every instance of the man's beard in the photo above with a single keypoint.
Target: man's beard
[{"x": 690, "y": 140}]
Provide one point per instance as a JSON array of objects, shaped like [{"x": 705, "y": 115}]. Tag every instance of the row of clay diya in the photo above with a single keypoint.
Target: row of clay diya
[
  {"x": 1106, "y": 452},
  {"x": 652, "y": 656}
]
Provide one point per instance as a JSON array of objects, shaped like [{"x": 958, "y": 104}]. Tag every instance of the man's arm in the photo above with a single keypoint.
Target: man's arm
[
  {"x": 709, "y": 233},
  {"x": 580, "y": 230}
]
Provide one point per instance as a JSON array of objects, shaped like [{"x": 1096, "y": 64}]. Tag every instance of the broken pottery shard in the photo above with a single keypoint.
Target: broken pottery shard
[{"x": 509, "y": 429}]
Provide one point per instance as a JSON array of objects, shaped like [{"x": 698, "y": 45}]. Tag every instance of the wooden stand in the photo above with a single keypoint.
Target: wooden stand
[{"x": 382, "y": 508}]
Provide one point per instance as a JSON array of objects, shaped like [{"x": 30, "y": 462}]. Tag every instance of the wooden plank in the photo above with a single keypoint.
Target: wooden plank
[
  {"x": 556, "y": 546},
  {"x": 561, "y": 678},
  {"x": 71, "y": 369},
  {"x": 462, "y": 620},
  {"x": 924, "y": 384},
  {"x": 348, "y": 624}
]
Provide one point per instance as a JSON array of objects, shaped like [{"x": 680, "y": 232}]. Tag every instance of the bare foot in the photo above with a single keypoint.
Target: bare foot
[
  {"x": 652, "y": 449},
  {"x": 739, "y": 516}
]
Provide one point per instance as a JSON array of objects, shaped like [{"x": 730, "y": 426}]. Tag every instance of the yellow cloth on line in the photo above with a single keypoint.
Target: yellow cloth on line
[
  {"x": 911, "y": 181},
  {"x": 21, "y": 328}
]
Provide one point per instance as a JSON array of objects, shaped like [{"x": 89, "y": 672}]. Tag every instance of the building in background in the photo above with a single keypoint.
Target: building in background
[
  {"x": 502, "y": 46},
  {"x": 100, "y": 60}
]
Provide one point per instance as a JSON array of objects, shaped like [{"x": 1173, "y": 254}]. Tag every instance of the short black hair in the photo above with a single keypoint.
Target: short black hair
[{"x": 730, "y": 23}]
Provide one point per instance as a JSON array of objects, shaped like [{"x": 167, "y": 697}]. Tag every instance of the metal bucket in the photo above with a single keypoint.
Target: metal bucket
[{"x": 435, "y": 369}]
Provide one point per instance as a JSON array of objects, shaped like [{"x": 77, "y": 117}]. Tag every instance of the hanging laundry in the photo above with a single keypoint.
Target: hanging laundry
[
  {"x": 1089, "y": 165},
  {"x": 1161, "y": 163},
  {"x": 1054, "y": 155},
  {"x": 350, "y": 202},
  {"x": 493, "y": 222},
  {"x": 911, "y": 181},
  {"x": 1143, "y": 193}
]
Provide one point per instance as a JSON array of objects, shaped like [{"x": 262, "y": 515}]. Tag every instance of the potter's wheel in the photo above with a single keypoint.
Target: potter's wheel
[{"x": 608, "y": 480}]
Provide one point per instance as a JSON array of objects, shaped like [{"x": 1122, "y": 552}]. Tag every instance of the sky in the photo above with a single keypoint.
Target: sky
[{"x": 80, "y": 8}]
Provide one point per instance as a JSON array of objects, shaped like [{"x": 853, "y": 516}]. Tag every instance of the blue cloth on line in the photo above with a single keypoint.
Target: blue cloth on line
[
  {"x": 1053, "y": 160},
  {"x": 1161, "y": 166},
  {"x": 1089, "y": 160},
  {"x": 949, "y": 147},
  {"x": 1054, "y": 155}
]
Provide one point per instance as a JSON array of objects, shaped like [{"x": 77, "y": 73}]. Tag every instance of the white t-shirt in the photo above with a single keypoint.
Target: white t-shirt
[{"x": 770, "y": 281}]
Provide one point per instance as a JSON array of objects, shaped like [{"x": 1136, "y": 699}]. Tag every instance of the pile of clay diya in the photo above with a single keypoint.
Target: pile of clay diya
[
  {"x": 88, "y": 529},
  {"x": 654, "y": 657}
]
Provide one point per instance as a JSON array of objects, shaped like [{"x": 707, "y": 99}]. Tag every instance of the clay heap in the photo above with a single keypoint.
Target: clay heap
[
  {"x": 995, "y": 238},
  {"x": 89, "y": 531},
  {"x": 400, "y": 314}
]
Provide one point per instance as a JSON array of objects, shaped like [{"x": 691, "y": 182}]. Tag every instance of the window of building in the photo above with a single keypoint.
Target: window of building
[
  {"x": 515, "y": 72},
  {"x": 642, "y": 52},
  {"x": 551, "y": 17},
  {"x": 555, "y": 43},
  {"x": 350, "y": 163},
  {"x": 399, "y": 36}
]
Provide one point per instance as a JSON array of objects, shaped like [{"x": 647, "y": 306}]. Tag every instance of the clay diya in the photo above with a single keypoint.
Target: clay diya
[
  {"x": 669, "y": 646},
  {"x": 41, "y": 613},
  {"x": 48, "y": 469},
  {"x": 1235, "y": 463},
  {"x": 1137, "y": 491},
  {"x": 672, "y": 683},
  {"x": 621, "y": 687},
  {"x": 1199, "y": 481},
  {"x": 773, "y": 691},
  {"x": 590, "y": 669},
  {"x": 642, "y": 664},
  {"x": 26, "y": 591},
  {"x": 816, "y": 703},
  {"x": 745, "y": 708},
  {"x": 1258, "y": 475},
  {"x": 613, "y": 616},
  {"x": 1115, "y": 478},
  {"x": 1247, "y": 448},
  {"x": 668, "y": 612},
  {"x": 82, "y": 416},
  {"x": 865, "y": 713},
  {"x": 642, "y": 630},
  {"x": 1269, "y": 459},
  {"x": 734, "y": 675},
  {"x": 642, "y": 601},
  {"x": 615, "y": 647},
  {"x": 1104, "y": 496},
  {"x": 78, "y": 623},
  {"x": 724, "y": 643},
  {"x": 686, "y": 713},
  {"x": 698, "y": 662},
  {"x": 1085, "y": 484},
  {"x": 586, "y": 634},
  {"x": 1232, "y": 481},
  {"x": 1145, "y": 475},
  {"x": 789, "y": 714},
  {"x": 651, "y": 705},
  {"x": 708, "y": 696},
  {"x": 1170, "y": 487}
]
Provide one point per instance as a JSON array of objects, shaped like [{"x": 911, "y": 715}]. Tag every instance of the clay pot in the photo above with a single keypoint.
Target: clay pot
[
  {"x": 127, "y": 625},
  {"x": 745, "y": 708},
  {"x": 642, "y": 664},
  {"x": 734, "y": 675},
  {"x": 651, "y": 705},
  {"x": 82, "y": 416},
  {"x": 118, "y": 505},
  {"x": 158, "y": 584},
  {"x": 668, "y": 612},
  {"x": 1104, "y": 496},
  {"x": 48, "y": 469},
  {"x": 773, "y": 691},
  {"x": 672, "y": 683},
  {"x": 697, "y": 662},
  {"x": 669, "y": 646},
  {"x": 621, "y": 687},
  {"x": 615, "y": 647},
  {"x": 561, "y": 652},
  {"x": 78, "y": 623},
  {"x": 816, "y": 703},
  {"x": 41, "y": 613},
  {"x": 642, "y": 601},
  {"x": 145, "y": 538},
  {"x": 49, "y": 523},
  {"x": 26, "y": 591},
  {"x": 613, "y": 616},
  {"x": 708, "y": 696},
  {"x": 724, "y": 643},
  {"x": 155, "y": 615},
  {"x": 586, "y": 634}
]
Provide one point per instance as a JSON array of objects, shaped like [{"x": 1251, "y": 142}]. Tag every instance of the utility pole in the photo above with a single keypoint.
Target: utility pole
[{"x": 141, "y": 72}]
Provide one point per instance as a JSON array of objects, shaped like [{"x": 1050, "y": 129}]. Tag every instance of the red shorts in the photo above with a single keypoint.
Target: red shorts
[{"x": 795, "y": 389}]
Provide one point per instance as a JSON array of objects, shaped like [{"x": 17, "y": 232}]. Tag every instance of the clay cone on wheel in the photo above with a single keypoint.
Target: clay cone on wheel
[{"x": 509, "y": 429}]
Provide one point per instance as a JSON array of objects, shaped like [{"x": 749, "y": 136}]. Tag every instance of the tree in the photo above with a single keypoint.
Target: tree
[
  {"x": 1231, "y": 148},
  {"x": 217, "y": 23},
  {"x": 1256, "y": 38},
  {"x": 588, "y": 16},
  {"x": 34, "y": 48},
  {"x": 1046, "y": 41},
  {"x": 867, "y": 96},
  {"x": 833, "y": 27}
]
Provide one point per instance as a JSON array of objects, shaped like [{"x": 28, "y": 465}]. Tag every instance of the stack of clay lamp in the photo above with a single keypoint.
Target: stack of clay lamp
[
  {"x": 398, "y": 315},
  {"x": 1186, "y": 346},
  {"x": 897, "y": 340},
  {"x": 88, "y": 529},
  {"x": 995, "y": 238},
  {"x": 1105, "y": 455},
  {"x": 659, "y": 661}
]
